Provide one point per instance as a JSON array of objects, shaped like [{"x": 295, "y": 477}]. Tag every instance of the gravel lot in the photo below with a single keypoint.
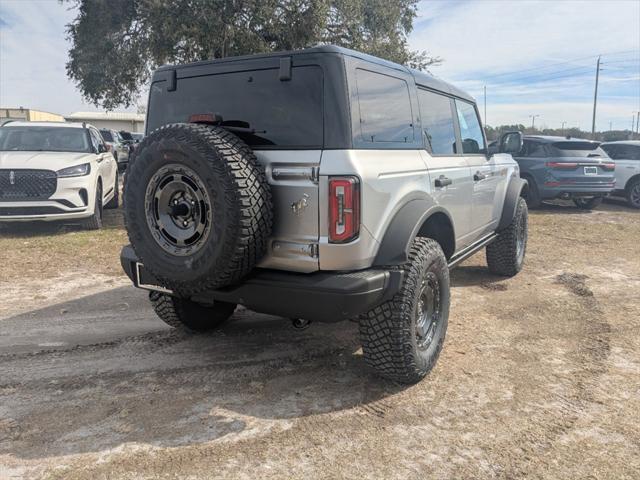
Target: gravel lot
[{"x": 539, "y": 376}]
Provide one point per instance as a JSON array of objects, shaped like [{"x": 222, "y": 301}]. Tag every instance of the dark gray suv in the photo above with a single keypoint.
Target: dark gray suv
[{"x": 567, "y": 168}]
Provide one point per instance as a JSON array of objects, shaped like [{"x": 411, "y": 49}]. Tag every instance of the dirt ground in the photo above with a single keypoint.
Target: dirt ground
[{"x": 539, "y": 376}]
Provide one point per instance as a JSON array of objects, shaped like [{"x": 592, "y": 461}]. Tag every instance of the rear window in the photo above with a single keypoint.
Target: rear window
[
  {"x": 577, "y": 149},
  {"x": 272, "y": 113},
  {"x": 385, "y": 108}
]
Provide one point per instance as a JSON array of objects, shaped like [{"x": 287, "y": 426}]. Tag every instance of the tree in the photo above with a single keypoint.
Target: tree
[{"x": 116, "y": 44}]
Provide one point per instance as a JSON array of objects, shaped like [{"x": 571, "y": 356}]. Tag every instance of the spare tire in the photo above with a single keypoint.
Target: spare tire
[{"x": 198, "y": 208}]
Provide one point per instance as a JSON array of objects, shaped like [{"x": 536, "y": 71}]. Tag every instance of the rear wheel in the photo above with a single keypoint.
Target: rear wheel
[
  {"x": 505, "y": 255},
  {"x": 587, "y": 203},
  {"x": 94, "y": 222},
  {"x": 633, "y": 193},
  {"x": 403, "y": 337},
  {"x": 188, "y": 315}
]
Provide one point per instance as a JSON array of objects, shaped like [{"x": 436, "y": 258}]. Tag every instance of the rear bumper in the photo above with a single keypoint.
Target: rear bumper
[
  {"x": 575, "y": 190},
  {"x": 318, "y": 296}
]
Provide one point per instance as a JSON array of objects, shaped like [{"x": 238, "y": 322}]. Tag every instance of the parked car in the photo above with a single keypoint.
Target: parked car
[
  {"x": 55, "y": 171},
  {"x": 117, "y": 146},
  {"x": 130, "y": 139},
  {"x": 567, "y": 168},
  {"x": 328, "y": 185},
  {"x": 626, "y": 155}
]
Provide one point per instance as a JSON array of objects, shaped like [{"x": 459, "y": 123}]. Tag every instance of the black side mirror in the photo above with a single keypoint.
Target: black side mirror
[{"x": 510, "y": 142}]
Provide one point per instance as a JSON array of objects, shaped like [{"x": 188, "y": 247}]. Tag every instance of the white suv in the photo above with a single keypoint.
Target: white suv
[
  {"x": 55, "y": 171},
  {"x": 627, "y": 157}
]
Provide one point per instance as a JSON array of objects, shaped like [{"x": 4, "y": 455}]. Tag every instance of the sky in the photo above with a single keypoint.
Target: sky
[{"x": 534, "y": 57}]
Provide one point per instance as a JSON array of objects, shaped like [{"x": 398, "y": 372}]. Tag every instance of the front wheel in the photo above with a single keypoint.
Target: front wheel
[
  {"x": 505, "y": 255},
  {"x": 188, "y": 315},
  {"x": 588, "y": 203},
  {"x": 94, "y": 222},
  {"x": 403, "y": 337}
]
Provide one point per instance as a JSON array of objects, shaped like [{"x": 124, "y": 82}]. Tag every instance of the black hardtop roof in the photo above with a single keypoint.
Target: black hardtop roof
[
  {"x": 554, "y": 139},
  {"x": 421, "y": 78}
]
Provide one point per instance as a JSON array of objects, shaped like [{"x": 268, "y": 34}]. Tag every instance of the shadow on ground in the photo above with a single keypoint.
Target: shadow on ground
[{"x": 104, "y": 371}]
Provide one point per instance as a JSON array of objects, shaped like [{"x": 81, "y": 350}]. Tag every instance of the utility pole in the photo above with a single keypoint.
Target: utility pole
[
  {"x": 637, "y": 121},
  {"x": 563, "y": 124},
  {"x": 533, "y": 121},
  {"x": 485, "y": 105},
  {"x": 595, "y": 100},
  {"x": 633, "y": 123},
  {"x": 610, "y": 125}
]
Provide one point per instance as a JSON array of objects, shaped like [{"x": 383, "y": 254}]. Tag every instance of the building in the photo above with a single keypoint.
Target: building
[
  {"x": 28, "y": 115},
  {"x": 130, "y": 122}
]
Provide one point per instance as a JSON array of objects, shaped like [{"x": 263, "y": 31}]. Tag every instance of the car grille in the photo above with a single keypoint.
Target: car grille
[
  {"x": 24, "y": 211},
  {"x": 21, "y": 185}
]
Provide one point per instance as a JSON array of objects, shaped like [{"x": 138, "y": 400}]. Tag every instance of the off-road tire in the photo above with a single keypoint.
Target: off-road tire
[
  {"x": 241, "y": 206},
  {"x": 588, "y": 204},
  {"x": 94, "y": 222},
  {"x": 389, "y": 332},
  {"x": 532, "y": 196},
  {"x": 190, "y": 316},
  {"x": 632, "y": 193},
  {"x": 115, "y": 201},
  {"x": 504, "y": 256}
]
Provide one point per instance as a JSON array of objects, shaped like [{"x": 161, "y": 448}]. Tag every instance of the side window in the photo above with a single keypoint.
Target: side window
[
  {"x": 612, "y": 151},
  {"x": 385, "y": 108},
  {"x": 537, "y": 150},
  {"x": 470, "y": 129},
  {"x": 96, "y": 140},
  {"x": 437, "y": 122}
]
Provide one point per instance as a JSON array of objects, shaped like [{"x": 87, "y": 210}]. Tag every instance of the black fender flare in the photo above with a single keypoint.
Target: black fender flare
[
  {"x": 514, "y": 191},
  {"x": 404, "y": 227}
]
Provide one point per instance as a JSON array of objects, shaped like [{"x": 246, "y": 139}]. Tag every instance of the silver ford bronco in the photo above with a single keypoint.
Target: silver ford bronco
[{"x": 320, "y": 185}]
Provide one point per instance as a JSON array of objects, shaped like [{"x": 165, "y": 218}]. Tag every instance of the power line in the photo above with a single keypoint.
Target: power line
[{"x": 558, "y": 63}]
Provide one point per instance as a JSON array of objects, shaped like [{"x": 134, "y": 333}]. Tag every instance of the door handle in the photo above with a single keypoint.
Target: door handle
[
  {"x": 479, "y": 176},
  {"x": 443, "y": 181}
]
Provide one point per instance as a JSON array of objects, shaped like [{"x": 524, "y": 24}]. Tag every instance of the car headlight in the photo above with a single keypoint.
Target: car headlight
[{"x": 77, "y": 171}]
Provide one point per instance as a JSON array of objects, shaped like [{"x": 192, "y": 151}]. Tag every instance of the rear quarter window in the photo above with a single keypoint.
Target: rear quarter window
[
  {"x": 385, "y": 108},
  {"x": 275, "y": 113}
]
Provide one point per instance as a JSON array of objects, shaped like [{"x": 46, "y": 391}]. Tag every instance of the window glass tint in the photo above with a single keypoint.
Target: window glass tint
[
  {"x": 532, "y": 149},
  {"x": 47, "y": 139},
  {"x": 470, "y": 129},
  {"x": 437, "y": 122},
  {"x": 577, "y": 149},
  {"x": 265, "y": 111},
  {"x": 622, "y": 152},
  {"x": 106, "y": 134},
  {"x": 385, "y": 108}
]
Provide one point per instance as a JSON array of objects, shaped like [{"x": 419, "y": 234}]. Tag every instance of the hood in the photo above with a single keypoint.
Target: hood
[{"x": 42, "y": 160}]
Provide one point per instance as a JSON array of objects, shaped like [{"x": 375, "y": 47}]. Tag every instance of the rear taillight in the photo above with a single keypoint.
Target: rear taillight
[
  {"x": 344, "y": 209},
  {"x": 608, "y": 166},
  {"x": 562, "y": 165}
]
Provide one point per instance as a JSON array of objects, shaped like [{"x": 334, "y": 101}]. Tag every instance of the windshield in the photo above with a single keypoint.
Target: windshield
[
  {"x": 126, "y": 135},
  {"x": 44, "y": 139},
  {"x": 106, "y": 134},
  {"x": 137, "y": 136}
]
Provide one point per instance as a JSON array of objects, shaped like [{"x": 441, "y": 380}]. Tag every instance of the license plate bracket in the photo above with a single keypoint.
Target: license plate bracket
[
  {"x": 590, "y": 170},
  {"x": 147, "y": 281}
]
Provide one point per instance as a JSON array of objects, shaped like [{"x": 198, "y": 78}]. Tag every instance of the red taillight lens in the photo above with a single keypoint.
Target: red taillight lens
[
  {"x": 344, "y": 209},
  {"x": 562, "y": 165},
  {"x": 608, "y": 166}
]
